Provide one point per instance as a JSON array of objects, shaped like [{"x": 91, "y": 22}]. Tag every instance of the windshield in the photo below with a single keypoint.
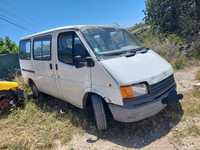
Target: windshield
[{"x": 107, "y": 41}]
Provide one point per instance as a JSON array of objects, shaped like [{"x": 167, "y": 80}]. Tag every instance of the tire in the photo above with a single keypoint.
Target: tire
[
  {"x": 34, "y": 90},
  {"x": 99, "y": 112}
]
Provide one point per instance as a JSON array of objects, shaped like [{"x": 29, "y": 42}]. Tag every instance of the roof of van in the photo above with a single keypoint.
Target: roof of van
[{"x": 78, "y": 27}]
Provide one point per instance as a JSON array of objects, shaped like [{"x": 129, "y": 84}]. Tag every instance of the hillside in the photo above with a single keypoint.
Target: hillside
[{"x": 177, "y": 50}]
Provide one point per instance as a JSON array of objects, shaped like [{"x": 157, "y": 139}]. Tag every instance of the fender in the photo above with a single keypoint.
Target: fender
[{"x": 105, "y": 95}]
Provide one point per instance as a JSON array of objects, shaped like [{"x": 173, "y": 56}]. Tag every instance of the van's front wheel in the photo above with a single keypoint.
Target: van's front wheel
[{"x": 99, "y": 112}]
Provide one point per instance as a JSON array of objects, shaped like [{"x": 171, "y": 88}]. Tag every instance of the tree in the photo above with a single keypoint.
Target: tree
[
  {"x": 174, "y": 16},
  {"x": 7, "y": 46}
]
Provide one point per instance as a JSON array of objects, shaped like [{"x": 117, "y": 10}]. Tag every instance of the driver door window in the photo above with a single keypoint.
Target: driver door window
[
  {"x": 65, "y": 48},
  {"x": 70, "y": 45}
]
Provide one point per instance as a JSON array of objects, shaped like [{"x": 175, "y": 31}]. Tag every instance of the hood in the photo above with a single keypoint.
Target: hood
[{"x": 148, "y": 67}]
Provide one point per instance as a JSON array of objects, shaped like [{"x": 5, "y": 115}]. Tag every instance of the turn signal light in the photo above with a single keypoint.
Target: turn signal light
[{"x": 127, "y": 92}]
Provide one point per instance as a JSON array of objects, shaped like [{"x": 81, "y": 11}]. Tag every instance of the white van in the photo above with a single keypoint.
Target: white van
[{"x": 100, "y": 67}]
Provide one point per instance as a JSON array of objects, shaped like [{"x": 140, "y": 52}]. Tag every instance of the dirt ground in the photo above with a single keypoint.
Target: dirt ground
[
  {"x": 185, "y": 79},
  {"x": 150, "y": 134}
]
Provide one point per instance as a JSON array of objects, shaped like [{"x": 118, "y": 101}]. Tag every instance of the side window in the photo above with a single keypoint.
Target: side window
[
  {"x": 70, "y": 45},
  {"x": 46, "y": 49},
  {"x": 42, "y": 48},
  {"x": 65, "y": 47},
  {"x": 37, "y": 51},
  {"x": 25, "y": 50},
  {"x": 79, "y": 48}
]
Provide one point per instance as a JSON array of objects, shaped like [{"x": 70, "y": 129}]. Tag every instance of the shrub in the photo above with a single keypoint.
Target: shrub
[
  {"x": 195, "y": 49},
  {"x": 179, "y": 63}
]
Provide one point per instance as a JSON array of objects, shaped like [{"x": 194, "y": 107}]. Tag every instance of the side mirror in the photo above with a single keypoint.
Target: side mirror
[
  {"x": 78, "y": 62},
  {"x": 90, "y": 61}
]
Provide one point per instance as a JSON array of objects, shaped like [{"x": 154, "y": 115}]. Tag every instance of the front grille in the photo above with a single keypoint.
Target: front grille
[{"x": 162, "y": 85}]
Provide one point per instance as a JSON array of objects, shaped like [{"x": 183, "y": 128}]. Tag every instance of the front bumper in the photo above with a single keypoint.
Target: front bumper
[{"x": 133, "y": 113}]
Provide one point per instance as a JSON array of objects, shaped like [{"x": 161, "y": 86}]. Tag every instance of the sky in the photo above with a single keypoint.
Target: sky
[{"x": 30, "y": 16}]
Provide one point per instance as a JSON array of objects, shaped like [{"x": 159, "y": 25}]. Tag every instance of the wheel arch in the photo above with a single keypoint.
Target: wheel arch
[
  {"x": 86, "y": 98},
  {"x": 87, "y": 102},
  {"x": 30, "y": 81}
]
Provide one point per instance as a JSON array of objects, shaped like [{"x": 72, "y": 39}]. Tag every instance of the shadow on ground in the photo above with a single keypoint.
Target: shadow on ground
[{"x": 132, "y": 135}]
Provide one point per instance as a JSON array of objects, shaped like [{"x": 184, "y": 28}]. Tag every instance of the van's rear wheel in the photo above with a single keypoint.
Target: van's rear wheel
[
  {"x": 99, "y": 112},
  {"x": 34, "y": 90}
]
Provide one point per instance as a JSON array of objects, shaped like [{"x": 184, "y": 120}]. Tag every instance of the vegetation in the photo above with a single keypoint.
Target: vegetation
[
  {"x": 172, "y": 29},
  {"x": 170, "y": 46},
  {"x": 181, "y": 17},
  {"x": 48, "y": 123},
  {"x": 189, "y": 127},
  {"x": 198, "y": 75},
  {"x": 39, "y": 125},
  {"x": 36, "y": 128},
  {"x": 7, "y": 46}
]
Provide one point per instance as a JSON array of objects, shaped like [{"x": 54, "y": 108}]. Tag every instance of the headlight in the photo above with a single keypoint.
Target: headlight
[
  {"x": 140, "y": 89},
  {"x": 133, "y": 91}
]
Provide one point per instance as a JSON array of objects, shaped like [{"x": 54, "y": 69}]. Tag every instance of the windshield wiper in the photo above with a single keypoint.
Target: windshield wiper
[
  {"x": 134, "y": 51},
  {"x": 114, "y": 53},
  {"x": 142, "y": 49},
  {"x": 130, "y": 52}
]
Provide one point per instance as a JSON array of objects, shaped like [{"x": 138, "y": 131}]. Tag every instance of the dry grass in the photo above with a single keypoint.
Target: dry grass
[
  {"x": 39, "y": 126},
  {"x": 189, "y": 127},
  {"x": 36, "y": 128},
  {"x": 191, "y": 103},
  {"x": 20, "y": 81},
  {"x": 198, "y": 76}
]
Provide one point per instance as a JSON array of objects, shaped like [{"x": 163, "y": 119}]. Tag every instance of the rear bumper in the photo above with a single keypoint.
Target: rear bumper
[{"x": 133, "y": 113}]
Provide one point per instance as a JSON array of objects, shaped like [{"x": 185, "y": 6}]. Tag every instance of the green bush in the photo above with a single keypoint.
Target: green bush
[
  {"x": 181, "y": 17},
  {"x": 7, "y": 46}
]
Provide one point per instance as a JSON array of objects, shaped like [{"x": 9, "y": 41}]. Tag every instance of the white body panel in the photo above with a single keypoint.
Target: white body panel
[
  {"x": 45, "y": 78},
  {"x": 27, "y": 65},
  {"x": 105, "y": 85},
  {"x": 73, "y": 82},
  {"x": 105, "y": 78}
]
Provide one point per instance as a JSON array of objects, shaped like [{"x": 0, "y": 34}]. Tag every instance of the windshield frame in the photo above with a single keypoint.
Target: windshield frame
[{"x": 105, "y": 54}]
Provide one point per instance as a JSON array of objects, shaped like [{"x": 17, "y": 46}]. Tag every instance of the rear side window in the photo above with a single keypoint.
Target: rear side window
[
  {"x": 42, "y": 48},
  {"x": 25, "y": 50}
]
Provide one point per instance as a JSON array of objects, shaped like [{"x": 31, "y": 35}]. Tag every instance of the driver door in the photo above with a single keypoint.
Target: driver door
[{"x": 72, "y": 81}]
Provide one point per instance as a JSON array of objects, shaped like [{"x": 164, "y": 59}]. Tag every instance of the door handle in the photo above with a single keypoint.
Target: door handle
[
  {"x": 56, "y": 66},
  {"x": 50, "y": 66}
]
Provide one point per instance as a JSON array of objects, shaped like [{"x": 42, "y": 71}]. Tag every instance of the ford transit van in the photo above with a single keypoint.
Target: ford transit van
[{"x": 100, "y": 67}]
